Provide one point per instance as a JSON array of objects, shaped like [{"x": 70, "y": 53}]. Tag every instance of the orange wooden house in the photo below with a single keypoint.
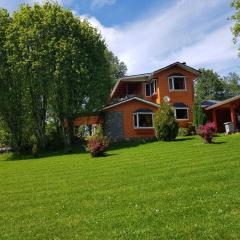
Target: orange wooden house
[{"x": 134, "y": 99}]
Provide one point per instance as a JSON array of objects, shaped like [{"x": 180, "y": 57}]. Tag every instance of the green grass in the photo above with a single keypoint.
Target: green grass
[{"x": 177, "y": 190}]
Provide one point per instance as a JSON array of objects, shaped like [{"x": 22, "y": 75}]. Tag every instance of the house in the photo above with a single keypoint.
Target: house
[
  {"x": 221, "y": 112},
  {"x": 135, "y": 99}
]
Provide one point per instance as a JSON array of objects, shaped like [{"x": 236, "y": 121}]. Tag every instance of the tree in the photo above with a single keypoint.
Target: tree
[
  {"x": 28, "y": 38},
  {"x": 199, "y": 115},
  {"x": 209, "y": 86},
  {"x": 118, "y": 68},
  {"x": 12, "y": 92},
  {"x": 232, "y": 81},
  {"x": 53, "y": 65},
  {"x": 236, "y": 19},
  {"x": 165, "y": 124},
  {"x": 81, "y": 71}
]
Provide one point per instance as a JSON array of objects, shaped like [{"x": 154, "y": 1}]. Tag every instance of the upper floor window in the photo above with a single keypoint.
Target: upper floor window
[
  {"x": 151, "y": 88},
  {"x": 177, "y": 83}
]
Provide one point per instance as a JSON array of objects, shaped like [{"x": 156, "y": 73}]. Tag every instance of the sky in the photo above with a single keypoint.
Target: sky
[{"x": 150, "y": 34}]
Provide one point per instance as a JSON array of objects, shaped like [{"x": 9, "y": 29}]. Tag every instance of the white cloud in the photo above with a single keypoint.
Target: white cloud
[
  {"x": 188, "y": 31},
  {"x": 102, "y": 3}
]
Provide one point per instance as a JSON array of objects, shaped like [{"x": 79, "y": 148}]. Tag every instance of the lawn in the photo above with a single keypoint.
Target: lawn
[{"x": 176, "y": 190}]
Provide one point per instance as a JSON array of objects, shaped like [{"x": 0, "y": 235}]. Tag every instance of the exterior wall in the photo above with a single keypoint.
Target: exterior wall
[
  {"x": 114, "y": 126},
  {"x": 186, "y": 97},
  {"x": 88, "y": 120},
  {"x": 127, "y": 109}
]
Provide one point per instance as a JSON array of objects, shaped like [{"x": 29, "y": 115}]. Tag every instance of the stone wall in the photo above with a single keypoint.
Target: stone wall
[{"x": 114, "y": 126}]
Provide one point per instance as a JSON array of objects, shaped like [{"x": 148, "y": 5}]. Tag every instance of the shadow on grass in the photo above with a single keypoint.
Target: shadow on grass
[
  {"x": 183, "y": 139},
  {"x": 218, "y": 143},
  {"x": 129, "y": 144},
  {"x": 46, "y": 154},
  {"x": 80, "y": 149}
]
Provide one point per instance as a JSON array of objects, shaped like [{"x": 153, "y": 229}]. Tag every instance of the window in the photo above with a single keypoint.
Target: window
[
  {"x": 181, "y": 113},
  {"x": 143, "y": 120},
  {"x": 177, "y": 83},
  {"x": 151, "y": 88}
]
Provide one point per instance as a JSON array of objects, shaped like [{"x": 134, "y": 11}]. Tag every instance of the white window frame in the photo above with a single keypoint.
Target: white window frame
[
  {"x": 137, "y": 114},
  {"x": 173, "y": 84},
  {"x": 155, "y": 87},
  {"x": 181, "y": 119}
]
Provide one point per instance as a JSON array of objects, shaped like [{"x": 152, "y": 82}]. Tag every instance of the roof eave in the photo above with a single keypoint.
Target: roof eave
[
  {"x": 223, "y": 103},
  {"x": 134, "y": 98},
  {"x": 186, "y": 67}
]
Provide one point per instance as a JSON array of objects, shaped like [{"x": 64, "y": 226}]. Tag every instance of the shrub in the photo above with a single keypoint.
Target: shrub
[
  {"x": 207, "y": 131},
  {"x": 5, "y": 137},
  {"x": 34, "y": 144},
  {"x": 97, "y": 143},
  {"x": 191, "y": 130},
  {"x": 165, "y": 124},
  {"x": 188, "y": 131},
  {"x": 54, "y": 138},
  {"x": 199, "y": 115},
  {"x": 99, "y": 130},
  {"x": 183, "y": 132}
]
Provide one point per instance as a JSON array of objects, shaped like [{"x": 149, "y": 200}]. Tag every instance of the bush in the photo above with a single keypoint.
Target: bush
[
  {"x": 188, "y": 131},
  {"x": 199, "y": 115},
  {"x": 5, "y": 138},
  {"x": 207, "y": 131},
  {"x": 165, "y": 124},
  {"x": 183, "y": 132},
  {"x": 191, "y": 130},
  {"x": 54, "y": 138},
  {"x": 97, "y": 143}
]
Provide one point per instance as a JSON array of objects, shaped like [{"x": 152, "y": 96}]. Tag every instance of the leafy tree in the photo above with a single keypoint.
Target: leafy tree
[
  {"x": 232, "y": 81},
  {"x": 81, "y": 72},
  {"x": 209, "y": 86},
  {"x": 30, "y": 55},
  {"x": 165, "y": 124},
  {"x": 236, "y": 19},
  {"x": 199, "y": 115},
  {"x": 118, "y": 68},
  {"x": 5, "y": 137},
  {"x": 52, "y": 65},
  {"x": 12, "y": 91}
]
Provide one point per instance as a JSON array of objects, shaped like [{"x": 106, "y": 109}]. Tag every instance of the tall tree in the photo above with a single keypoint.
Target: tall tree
[
  {"x": 232, "y": 81},
  {"x": 81, "y": 71},
  {"x": 12, "y": 91},
  {"x": 57, "y": 66},
  {"x": 29, "y": 46},
  {"x": 209, "y": 86},
  {"x": 118, "y": 68},
  {"x": 236, "y": 19}
]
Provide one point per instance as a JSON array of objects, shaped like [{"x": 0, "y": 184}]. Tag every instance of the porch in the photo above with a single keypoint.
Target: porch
[{"x": 225, "y": 111}]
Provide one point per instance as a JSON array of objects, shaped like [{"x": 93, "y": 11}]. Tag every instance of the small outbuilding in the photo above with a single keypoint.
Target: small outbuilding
[{"x": 222, "y": 112}]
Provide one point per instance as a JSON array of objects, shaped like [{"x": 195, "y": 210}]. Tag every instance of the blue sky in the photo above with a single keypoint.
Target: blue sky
[{"x": 148, "y": 35}]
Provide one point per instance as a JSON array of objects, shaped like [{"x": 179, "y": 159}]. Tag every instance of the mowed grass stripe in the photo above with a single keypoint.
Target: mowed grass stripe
[{"x": 175, "y": 190}]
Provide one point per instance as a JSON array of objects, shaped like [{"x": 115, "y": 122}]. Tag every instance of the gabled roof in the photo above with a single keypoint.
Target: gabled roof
[
  {"x": 223, "y": 102},
  {"x": 209, "y": 103},
  {"x": 181, "y": 65},
  {"x": 131, "y": 99},
  {"x": 136, "y": 77},
  {"x": 147, "y": 76}
]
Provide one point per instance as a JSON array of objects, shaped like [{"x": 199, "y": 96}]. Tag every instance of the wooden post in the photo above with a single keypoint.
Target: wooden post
[
  {"x": 214, "y": 118},
  {"x": 233, "y": 116}
]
